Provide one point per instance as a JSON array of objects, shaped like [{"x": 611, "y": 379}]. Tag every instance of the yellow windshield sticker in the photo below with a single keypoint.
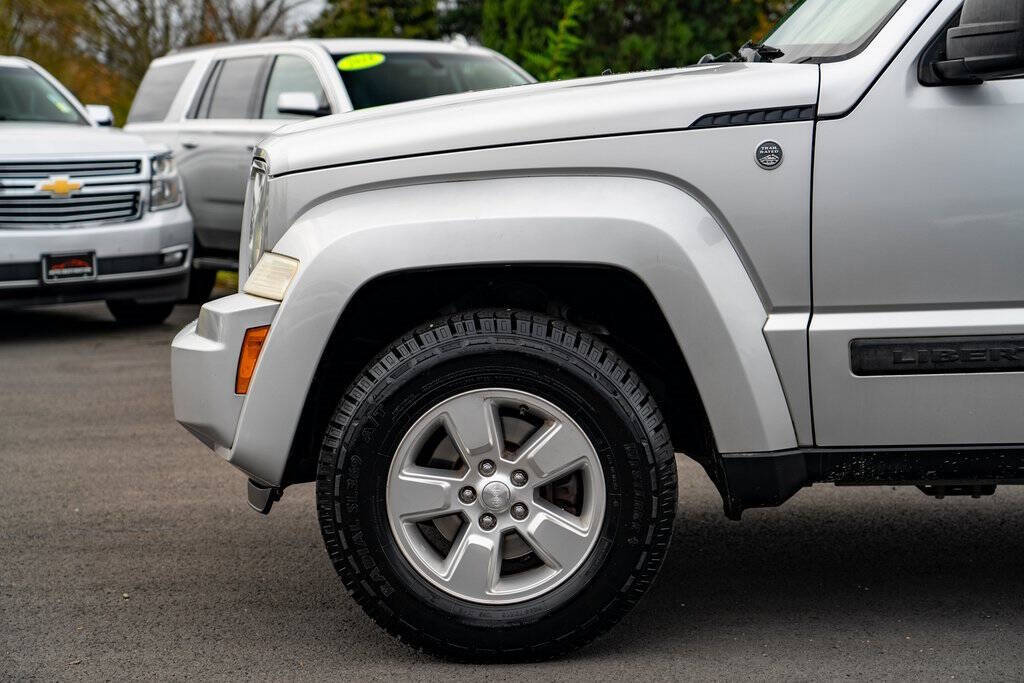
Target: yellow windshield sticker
[{"x": 363, "y": 60}]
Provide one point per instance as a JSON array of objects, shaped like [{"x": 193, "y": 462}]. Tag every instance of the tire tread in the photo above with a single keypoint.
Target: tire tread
[{"x": 582, "y": 349}]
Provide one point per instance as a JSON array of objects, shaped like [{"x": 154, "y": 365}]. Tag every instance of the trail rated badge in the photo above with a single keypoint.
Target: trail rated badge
[
  {"x": 769, "y": 155},
  {"x": 363, "y": 60}
]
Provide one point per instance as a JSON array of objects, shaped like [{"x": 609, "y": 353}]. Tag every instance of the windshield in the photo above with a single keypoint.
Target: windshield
[
  {"x": 829, "y": 30},
  {"x": 375, "y": 78},
  {"x": 27, "y": 96}
]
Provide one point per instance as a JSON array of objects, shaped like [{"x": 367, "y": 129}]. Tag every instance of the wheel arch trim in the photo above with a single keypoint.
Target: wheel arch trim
[{"x": 655, "y": 231}]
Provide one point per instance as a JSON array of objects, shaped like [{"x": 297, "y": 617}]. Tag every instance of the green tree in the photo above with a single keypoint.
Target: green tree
[
  {"x": 562, "y": 45},
  {"x": 624, "y": 35},
  {"x": 463, "y": 17},
  {"x": 378, "y": 18}
]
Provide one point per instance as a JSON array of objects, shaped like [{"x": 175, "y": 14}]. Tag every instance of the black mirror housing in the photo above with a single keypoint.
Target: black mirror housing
[{"x": 988, "y": 43}]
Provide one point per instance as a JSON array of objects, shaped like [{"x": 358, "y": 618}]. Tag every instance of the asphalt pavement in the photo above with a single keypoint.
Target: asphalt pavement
[{"x": 127, "y": 550}]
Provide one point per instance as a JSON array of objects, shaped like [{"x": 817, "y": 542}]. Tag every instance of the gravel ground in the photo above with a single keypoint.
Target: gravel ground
[{"x": 127, "y": 550}]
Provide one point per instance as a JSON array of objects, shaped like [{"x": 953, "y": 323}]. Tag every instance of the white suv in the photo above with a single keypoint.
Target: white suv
[
  {"x": 211, "y": 105},
  {"x": 86, "y": 212}
]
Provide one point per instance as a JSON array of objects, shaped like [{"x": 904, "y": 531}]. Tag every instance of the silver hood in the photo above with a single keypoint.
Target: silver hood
[
  {"x": 19, "y": 139},
  {"x": 607, "y": 105}
]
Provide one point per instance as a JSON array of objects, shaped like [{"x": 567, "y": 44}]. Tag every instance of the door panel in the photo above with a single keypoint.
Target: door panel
[
  {"x": 215, "y": 148},
  {"x": 918, "y": 231},
  {"x": 214, "y": 158}
]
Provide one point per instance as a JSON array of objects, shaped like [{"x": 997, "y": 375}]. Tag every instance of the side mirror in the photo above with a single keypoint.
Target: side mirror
[
  {"x": 301, "y": 103},
  {"x": 988, "y": 43},
  {"x": 100, "y": 114}
]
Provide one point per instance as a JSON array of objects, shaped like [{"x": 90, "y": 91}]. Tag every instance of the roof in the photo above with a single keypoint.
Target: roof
[
  {"x": 338, "y": 45},
  {"x": 335, "y": 45},
  {"x": 6, "y": 60}
]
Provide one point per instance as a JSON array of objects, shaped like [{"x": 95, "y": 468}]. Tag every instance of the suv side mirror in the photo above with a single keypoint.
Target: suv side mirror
[
  {"x": 988, "y": 43},
  {"x": 301, "y": 103},
  {"x": 100, "y": 114}
]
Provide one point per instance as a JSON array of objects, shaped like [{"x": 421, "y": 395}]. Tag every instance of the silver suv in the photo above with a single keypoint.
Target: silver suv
[
  {"x": 86, "y": 212},
  {"x": 483, "y": 324},
  {"x": 212, "y": 105}
]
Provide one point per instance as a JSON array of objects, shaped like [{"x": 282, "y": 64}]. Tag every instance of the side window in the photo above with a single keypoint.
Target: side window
[
  {"x": 231, "y": 88},
  {"x": 290, "y": 74},
  {"x": 156, "y": 92}
]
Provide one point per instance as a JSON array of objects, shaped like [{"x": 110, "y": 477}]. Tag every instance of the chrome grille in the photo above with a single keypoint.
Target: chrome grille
[
  {"x": 19, "y": 170},
  {"x": 82, "y": 208}
]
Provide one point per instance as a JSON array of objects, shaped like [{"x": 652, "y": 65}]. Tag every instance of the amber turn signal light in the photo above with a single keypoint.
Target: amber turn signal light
[{"x": 252, "y": 344}]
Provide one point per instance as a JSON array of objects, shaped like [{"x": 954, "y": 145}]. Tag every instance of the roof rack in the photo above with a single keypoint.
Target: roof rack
[{"x": 229, "y": 43}]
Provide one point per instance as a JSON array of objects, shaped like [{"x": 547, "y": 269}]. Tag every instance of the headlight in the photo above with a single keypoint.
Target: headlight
[
  {"x": 271, "y": 276},
  {"x": 165, "y": 185},
  {"x": 258, "y": 211}
]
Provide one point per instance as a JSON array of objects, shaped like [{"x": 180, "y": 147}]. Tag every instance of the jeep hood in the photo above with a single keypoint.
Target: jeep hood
[
  {"x": 589, "y": 107},
  {"x": 19, "y": 139}
]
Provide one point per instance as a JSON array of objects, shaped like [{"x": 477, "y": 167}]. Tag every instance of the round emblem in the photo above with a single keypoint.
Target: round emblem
[
  {"x": 496, "y": 496},
  {"x": 769, "y": 155}
]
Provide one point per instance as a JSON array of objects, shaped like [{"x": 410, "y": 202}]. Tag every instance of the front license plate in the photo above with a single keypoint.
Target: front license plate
[{"x": 64, "y": 267}]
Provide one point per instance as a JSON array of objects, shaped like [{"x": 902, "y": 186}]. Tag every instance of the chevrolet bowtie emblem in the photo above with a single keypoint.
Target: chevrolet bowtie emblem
[{"x": 59, "y": 186}]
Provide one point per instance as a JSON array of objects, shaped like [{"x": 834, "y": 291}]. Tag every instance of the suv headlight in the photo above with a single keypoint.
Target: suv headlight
[
  {"x": 258, "y": 211},
  {"x": 165, "y": 184}
]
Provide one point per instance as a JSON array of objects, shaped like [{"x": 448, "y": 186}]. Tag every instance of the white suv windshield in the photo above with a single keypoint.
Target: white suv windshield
[
  {"x": 376, "y": 78},
  {"x": 27, "y": 96},
  {"x": 828, "y": 30}
]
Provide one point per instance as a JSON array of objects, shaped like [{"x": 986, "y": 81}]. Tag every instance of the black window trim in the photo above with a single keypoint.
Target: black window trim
[
  {"x": 208, "y": 79},
  {"x": 212, "y": 78},
  {"x": 258, "y": 93}
]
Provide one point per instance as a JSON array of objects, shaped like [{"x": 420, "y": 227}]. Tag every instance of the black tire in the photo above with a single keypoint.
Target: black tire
[
  {"x": 200, "y": 285},
  {"x": 128, "y": 312},
  {"x": 514, "y": 350}
]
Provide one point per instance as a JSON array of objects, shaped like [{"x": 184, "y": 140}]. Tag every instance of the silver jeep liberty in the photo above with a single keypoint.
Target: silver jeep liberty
[{"x": 483, "y": 323}]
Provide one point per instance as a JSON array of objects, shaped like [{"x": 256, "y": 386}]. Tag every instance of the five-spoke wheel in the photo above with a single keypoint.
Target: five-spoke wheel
[{"x": 495, "y": 496}]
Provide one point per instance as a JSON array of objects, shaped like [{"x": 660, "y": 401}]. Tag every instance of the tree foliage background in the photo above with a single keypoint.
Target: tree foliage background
[
  {"x": 566, "y": 38},
  {"x": 100, "y": 48}
]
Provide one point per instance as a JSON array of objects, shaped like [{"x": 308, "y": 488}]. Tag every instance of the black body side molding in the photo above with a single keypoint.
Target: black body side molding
[{"x": 937, "y": 355}]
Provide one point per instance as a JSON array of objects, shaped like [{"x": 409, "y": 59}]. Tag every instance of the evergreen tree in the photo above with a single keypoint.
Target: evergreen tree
[
  {"x": 378, "y": 18},
  {"x": 463, "y": 17},
  {"x": 622, "y": 35}
]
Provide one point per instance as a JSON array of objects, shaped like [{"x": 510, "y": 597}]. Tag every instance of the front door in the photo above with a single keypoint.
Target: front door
[
  {"x": 215, "y": 148},
  {"x": 917, "y": 333}
]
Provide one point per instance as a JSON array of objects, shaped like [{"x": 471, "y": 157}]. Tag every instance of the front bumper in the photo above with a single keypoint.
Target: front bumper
[
  {"x": 128, "y": 257},
  {"x": 204, "y": 360}
]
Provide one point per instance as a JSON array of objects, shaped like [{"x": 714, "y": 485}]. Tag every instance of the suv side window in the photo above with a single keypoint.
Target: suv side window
[
  {"x": 156, "y": 92},
  {"x": 290, "y": 74},
  {"x": 231, "y": 88}
]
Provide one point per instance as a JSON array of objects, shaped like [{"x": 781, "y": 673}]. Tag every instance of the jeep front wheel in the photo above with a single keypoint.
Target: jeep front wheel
[{"x": 497, "y": 485}]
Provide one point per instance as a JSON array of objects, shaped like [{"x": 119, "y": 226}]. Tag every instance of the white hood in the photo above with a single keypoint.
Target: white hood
[
  {"x": 23, "y": 139},
  {"x": 608, "y": 105}
]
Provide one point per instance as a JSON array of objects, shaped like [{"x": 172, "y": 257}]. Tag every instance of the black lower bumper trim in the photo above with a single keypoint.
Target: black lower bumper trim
[
  {"x": 151, "y": 289},
  {"x": 753, "y": 480}
]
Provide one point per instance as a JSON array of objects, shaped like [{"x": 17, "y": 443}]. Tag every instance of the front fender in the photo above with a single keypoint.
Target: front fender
[{"x": 651, "y": 228}]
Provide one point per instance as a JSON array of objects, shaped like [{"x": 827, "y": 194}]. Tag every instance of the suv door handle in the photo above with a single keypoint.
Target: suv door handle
[{"x": 189, "y": 144}]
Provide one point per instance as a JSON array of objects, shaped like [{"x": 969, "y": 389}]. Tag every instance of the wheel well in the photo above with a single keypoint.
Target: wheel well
[{"x": 606, "y": 301}]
